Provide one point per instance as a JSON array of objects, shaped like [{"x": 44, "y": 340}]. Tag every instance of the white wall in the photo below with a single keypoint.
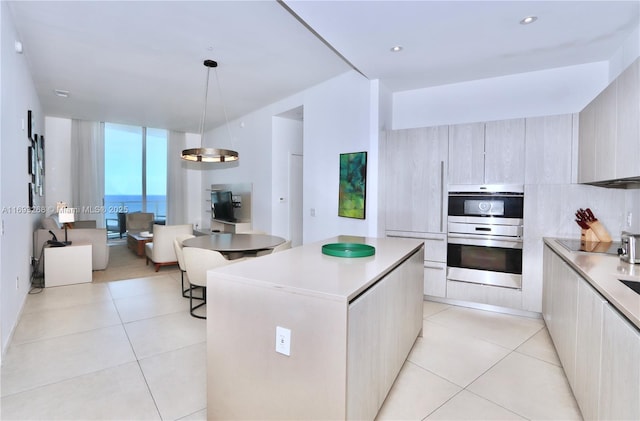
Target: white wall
[
  {"x": 562, "y": 90},
  {"x": 193, "y": 187},
  {"x": 337, "y": 118},
  {"x": 384, "y": 123},
  {"x": 18, "y": 95},
  {"x": 625, "y": 55}
]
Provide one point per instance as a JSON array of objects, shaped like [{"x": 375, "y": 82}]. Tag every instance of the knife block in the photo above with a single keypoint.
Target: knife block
[{"x": 587, "y": 235}]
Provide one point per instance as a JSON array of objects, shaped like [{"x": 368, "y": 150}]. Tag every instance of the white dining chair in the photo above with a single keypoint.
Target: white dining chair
[
  {"x": 177, "y": 245},
  {"x": 197, "y": 262},
  {"x": 280, "y": 247}
]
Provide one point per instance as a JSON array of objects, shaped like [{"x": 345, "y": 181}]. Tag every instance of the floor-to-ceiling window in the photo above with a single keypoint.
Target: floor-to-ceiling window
[{"x": 135, "y": 170}]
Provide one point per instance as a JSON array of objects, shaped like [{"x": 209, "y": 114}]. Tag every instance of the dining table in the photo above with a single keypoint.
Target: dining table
[{"x": 234, "y": 246}]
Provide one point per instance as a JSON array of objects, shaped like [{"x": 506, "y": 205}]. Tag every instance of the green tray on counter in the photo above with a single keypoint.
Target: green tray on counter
[{"x": 348, "y": 250}]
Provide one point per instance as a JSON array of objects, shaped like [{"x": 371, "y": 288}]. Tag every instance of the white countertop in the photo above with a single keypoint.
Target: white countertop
[
  {"x": 306, "y": 270},
  {"x": 603, "y": 272}
]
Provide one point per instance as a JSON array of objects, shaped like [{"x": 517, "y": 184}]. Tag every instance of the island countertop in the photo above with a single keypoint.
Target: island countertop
[
  {"x": 603, "y": 272},
  {"x": 306, "y": 270}
]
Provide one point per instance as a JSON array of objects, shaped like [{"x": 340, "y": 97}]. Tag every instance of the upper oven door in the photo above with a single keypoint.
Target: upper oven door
[{"x": 499, "y": 203}]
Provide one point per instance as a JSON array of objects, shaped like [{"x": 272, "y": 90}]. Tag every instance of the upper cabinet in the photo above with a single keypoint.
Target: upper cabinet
[
  {"x": 549, "y": 142},
  {"x": 628, "y": 122},
  {"x": 609, "y": 147},
  {"x": 487, "y": 153},
  {"x": 416, "y": 189},
  {"x": 466, "y": 153}
]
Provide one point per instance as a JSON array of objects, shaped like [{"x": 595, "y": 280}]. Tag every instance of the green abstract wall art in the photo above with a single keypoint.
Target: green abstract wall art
[{"x": 353, "y": 183}]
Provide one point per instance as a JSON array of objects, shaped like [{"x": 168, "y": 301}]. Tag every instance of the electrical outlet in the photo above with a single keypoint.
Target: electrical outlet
[
  {"x": 283, "y": 340},
  {"x": 17, "y": 282},
  {"x": 313, "y": 212},
  {"x": 629, "y": 219}
]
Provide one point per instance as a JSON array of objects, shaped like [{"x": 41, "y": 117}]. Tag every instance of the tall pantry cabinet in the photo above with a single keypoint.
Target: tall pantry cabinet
[{"x": 416, "y": 196}]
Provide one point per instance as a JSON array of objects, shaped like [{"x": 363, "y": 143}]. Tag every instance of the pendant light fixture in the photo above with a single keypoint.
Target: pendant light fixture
[{"x": 202, "y": 154}]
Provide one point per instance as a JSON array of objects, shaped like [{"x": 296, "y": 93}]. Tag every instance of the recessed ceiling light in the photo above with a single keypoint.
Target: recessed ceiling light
[
  {"x": 61, "y": 93},
  {"x": 528, "y": 20},
  {"x": 396, "y": 49}
]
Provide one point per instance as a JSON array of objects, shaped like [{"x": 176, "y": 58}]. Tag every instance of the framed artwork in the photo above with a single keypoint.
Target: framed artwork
[
  {"x": 30, "y": 196},
  {"x": 30, "y": 160},
  {"x": 29, "y": 124},
  {"x": 353, "y": 185},
  {"x": 42, "y": 149}
]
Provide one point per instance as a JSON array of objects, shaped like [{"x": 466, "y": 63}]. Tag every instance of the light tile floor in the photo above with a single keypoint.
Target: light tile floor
[{"x": 130, "y": 350}]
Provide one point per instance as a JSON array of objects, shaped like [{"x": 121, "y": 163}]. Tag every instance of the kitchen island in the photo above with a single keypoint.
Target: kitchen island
[{"x": 303, "y": 335}]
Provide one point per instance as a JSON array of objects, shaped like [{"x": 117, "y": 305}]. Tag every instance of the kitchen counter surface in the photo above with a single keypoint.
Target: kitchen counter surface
[
  {"x": 334, "y": 278},
  {"x": 603, "y": 272}
]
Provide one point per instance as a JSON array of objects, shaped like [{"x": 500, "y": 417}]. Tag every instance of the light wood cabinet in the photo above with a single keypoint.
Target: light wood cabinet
[
  {"x": 435, "y": 279},
  {"x": 628, "y": 122},
  {"x": 435, "y": 260},
  {"x": 562, "y": 312},
  {"x": 416, "y": 196},
  {"x": 487, "y": 153},
  {"x": 586, "y": 384},
  {"x": 598, "y": 348},
  {"x": 416, "y": 166},
  {"x": 586, "y": 145},
  {"x": 484, "y": 294},
  {"x": 548, "y": 149},
  {"x": 466, "y": 153},
  {"x": 383, "y": 324},
  {"x": 605, "y": 134},
  {"x": 610, "y": 131},
  {"x": 620, "y": 368},
  {"x": 504, "y": 146}
]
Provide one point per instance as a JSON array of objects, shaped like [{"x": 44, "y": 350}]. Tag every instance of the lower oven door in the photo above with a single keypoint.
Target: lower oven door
[{"x": 485, "y": 261}]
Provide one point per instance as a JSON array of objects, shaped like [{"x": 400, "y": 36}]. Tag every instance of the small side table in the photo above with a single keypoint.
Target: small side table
[{"x": 67, "y": 265}]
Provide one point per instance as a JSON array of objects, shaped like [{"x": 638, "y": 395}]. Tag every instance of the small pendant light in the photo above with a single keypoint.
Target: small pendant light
[{"x": 202, "y": 154}]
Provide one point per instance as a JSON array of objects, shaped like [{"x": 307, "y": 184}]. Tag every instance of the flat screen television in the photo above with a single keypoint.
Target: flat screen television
[{"x": 222, "y": 205}]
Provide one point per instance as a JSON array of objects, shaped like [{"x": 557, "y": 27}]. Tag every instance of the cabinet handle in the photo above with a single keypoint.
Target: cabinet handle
[
  {"x": 441, "y": 195},
  {"x": 417, "y": 237},
  {"x": 433, "y": 267}
]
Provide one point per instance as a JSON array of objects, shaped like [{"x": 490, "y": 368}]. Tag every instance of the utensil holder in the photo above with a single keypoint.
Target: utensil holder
[
  {"x": 587, "y": 235},
  {"x": 600, "y": 231}
]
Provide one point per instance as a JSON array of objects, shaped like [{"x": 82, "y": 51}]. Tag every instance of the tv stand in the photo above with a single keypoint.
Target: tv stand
[{"x": 237, "y": 227}]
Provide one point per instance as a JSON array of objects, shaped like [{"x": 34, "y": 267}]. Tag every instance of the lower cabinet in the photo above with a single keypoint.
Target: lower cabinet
[
  {"x": 562, "y": 312},
  {"x": 598, "y": 348},
  {"x": 383, "y": 325},
  {"x": 435, "y": 278},
  {"x": 619, "y": 369},
  {"x": 484, "y": 294},
  {"x": 435, "y": 260},
  {"x": 586, "y": 384}
]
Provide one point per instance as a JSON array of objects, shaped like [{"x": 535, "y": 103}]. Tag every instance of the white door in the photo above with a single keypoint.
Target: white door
[{"x": 295, "y": 202}]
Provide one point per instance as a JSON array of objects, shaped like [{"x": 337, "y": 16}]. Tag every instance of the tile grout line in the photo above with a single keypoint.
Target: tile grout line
[
  {"x": 465, "y": 388},
  {"x": 146, "y": 382}
]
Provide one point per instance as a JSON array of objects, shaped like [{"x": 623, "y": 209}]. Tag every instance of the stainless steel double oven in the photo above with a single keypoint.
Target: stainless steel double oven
[{"x": 484, "y": 243}]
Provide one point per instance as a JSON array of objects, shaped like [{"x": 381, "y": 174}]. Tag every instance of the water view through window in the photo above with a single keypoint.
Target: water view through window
[{"x": 135, "y": 171}]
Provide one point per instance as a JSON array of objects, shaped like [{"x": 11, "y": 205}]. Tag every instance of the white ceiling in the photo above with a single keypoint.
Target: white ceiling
[{"x": 141, "y": 62}]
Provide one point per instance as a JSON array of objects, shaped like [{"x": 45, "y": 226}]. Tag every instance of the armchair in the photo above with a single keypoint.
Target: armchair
[
  {"x": 139, "y": 221},
  {"x": 161, "y": 251}
]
